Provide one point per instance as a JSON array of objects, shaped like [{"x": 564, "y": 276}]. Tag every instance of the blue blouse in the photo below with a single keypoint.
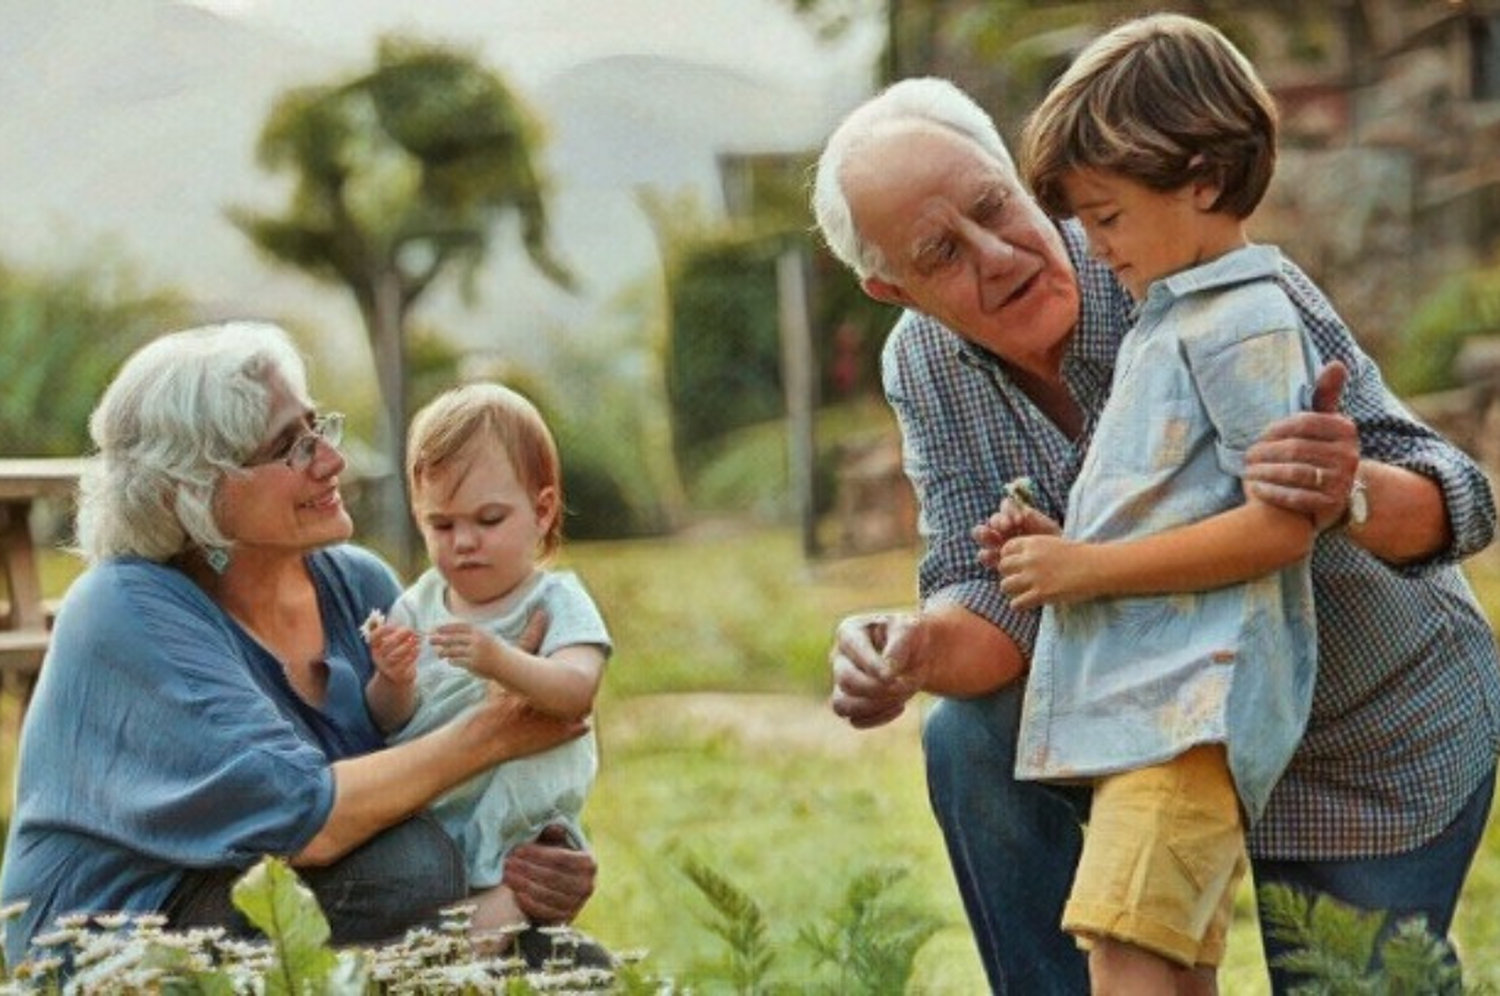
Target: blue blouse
[{"x": 162, "y": 736}]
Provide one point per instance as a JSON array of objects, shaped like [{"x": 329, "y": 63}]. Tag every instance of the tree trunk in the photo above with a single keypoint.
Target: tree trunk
[{"x": 385, "y": 318}]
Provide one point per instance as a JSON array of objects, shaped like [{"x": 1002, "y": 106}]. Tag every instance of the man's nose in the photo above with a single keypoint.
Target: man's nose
[{"x": 993, "y": 254}]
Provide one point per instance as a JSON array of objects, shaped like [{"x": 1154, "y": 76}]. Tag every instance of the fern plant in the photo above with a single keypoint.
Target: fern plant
[
  {"x": 872, "y": 941},
  {"x": 867, "y": 946},
  {"x": 1337, "y": 950},
  {"x": 737, "y": 919}
]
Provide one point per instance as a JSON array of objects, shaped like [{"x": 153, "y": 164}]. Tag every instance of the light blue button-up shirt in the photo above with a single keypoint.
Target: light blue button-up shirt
[{"x": 1217, "y": 354}]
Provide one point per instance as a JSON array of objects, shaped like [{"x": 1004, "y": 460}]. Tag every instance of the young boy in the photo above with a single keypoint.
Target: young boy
[
  {"x": 1175, "y": 662},
  {"x": 486, "y": 489}
]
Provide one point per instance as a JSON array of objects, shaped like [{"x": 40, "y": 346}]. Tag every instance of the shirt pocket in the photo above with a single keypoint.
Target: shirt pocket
[{"x": 1146, "y": 437}]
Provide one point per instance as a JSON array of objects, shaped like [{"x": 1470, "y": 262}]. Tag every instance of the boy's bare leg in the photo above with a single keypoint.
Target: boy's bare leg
[{"x": 1120, "y": 969}]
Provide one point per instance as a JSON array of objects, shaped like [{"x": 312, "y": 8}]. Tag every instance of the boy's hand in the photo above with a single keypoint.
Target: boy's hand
[
  {"x": 1014, "y": 519},
  {"x": 1042, "y": 570},
  {"x": 394, "y": 651}
]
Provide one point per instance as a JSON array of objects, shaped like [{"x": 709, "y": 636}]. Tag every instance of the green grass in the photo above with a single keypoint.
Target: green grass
[{"x": 767, "y": 787}]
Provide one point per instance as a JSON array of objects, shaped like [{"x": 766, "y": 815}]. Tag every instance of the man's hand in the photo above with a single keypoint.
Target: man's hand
[
  {"x": 550, "y": 877},
  {"x": 1306, "y": 462},
  {"x": 876, "y": 668}
]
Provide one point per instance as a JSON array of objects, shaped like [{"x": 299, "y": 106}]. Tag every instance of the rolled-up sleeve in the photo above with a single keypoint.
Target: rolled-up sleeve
[{"x": 1391, "y": 434}]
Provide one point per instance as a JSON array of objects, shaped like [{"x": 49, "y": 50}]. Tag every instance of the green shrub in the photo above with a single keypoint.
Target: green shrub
[{"x": 1463, "y": 305}]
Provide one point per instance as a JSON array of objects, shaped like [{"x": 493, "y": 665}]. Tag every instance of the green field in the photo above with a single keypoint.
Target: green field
[{"x": 716, "y": 743}]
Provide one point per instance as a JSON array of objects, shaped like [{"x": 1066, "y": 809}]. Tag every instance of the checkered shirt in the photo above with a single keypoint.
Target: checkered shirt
[{"x": 1405, "y": 720}]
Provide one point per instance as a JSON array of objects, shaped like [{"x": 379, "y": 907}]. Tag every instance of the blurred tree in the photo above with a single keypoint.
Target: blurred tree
[
  {"x": 402, "y": 174},
  {"x": 63, "y": 334}
]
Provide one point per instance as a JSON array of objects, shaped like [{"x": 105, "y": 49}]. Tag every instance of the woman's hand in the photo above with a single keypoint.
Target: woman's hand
[
  {"x": 550, "y": 878},
  {"x": 505, "y": 726}
]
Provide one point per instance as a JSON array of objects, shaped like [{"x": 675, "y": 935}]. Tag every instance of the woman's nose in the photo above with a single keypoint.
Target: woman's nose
[{"x": 328, "y": 459}]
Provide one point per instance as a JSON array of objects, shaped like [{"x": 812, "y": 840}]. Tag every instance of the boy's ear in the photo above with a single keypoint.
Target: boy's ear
[
  {"x": 884, "y": 291},
  {"x": 1207, "y": 183},
  {"x": 1206, "y": 193}
]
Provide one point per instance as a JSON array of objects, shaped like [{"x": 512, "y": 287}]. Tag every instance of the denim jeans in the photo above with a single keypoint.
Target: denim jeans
[
  {"x": 1014, "y": 844},
  {"x": 1422, "y": 882},
  {"x": 399, "y": 878}
]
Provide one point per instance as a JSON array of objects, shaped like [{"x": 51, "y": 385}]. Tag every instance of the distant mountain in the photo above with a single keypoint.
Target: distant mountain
[{"x": 136, "y": 120}]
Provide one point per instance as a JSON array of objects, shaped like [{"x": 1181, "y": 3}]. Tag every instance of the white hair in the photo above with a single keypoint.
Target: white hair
[
  {"x": 926, "y": 99},
  {"x": 184, "y": 411}
]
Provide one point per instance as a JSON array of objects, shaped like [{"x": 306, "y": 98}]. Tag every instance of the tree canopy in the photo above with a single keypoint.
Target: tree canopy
[{"x": 401, "y": 174}]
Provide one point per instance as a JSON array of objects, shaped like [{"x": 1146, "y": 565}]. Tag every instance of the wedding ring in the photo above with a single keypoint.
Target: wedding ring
[{"x": 1318, "y": 478}]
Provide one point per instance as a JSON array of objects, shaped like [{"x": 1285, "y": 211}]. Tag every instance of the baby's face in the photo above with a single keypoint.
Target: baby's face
[{"x": 482, "y": 527}]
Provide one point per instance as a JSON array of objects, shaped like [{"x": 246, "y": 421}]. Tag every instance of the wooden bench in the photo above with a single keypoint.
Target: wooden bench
[{"x": 25, "y": 615}]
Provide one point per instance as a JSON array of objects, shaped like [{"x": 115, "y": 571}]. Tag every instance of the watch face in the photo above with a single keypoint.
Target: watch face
[{"x": 1359, "y": 505}]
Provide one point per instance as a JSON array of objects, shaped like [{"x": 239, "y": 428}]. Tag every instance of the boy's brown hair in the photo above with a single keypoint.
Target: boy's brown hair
[
  {"x": 1163, "y": 100},
  {"x": 456, "y": 422}
]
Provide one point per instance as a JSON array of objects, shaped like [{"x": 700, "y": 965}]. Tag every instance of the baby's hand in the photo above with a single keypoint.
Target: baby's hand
[
  {"x": 467, "y": 647},
  {"x": 394, "y": 651}
]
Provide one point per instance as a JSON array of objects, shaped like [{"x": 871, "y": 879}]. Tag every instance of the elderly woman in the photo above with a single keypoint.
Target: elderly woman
[{"x": 202, "y": 702}]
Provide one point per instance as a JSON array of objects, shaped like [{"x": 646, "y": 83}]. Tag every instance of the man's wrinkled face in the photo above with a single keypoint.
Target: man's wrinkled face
[{"x": 962, "y": 241}]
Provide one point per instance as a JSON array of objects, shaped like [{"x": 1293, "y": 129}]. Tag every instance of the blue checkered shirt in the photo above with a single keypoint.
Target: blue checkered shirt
[{"x": 1405, "y": 720}]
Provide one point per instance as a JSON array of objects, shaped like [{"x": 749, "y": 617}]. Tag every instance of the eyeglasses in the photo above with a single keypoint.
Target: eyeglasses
[{"x": 299, "y": 453}]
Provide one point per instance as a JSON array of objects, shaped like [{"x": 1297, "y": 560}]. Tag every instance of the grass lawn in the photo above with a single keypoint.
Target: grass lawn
[{"x": 716, "y": 743}]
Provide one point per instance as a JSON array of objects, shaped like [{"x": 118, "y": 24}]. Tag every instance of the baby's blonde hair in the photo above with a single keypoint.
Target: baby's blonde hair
[{"x": 459, "y": 420}]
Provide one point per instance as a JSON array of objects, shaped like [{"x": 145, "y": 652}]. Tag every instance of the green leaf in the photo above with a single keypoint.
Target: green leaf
[{"x": 277, "y": 903}]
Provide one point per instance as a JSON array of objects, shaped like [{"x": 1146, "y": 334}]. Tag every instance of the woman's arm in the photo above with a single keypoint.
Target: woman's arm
[{"x": 376, "y": 790}]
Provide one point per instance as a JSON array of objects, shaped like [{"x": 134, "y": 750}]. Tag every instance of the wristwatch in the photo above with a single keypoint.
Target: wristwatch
[{"x": 1357, "y": 513}]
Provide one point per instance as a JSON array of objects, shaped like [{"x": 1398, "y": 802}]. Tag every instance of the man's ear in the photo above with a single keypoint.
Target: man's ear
[{"x": 884, "y": 291}]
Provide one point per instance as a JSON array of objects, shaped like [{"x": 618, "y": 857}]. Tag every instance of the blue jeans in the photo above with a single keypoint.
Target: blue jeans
[
  {"x": 398, "y": 879},
  {"x": 1014, "y": 845},
  {"x": 1423, "y": 882}
]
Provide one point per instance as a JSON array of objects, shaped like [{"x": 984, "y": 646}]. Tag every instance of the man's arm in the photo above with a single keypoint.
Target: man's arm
[
  {"x": 1438, "y": 511},
  {"x": 1408, "y": 520}
]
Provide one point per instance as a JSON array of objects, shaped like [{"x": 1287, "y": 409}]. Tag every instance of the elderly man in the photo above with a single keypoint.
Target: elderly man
[{"x": 998, "y": 369}]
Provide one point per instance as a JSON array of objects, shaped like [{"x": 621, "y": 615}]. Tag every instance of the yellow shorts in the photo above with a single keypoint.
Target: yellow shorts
[{"x": 1164, "y": 851}]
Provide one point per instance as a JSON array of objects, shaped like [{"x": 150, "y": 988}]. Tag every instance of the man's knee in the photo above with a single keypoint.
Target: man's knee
[{"x": 960, "y": 735}]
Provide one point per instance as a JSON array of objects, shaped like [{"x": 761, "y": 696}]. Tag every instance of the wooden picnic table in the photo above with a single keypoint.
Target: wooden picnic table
[{"x": 25, "y": 618}]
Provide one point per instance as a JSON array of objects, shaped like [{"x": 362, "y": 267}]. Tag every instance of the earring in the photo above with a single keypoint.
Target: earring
[{"x": 217, "y": 558}]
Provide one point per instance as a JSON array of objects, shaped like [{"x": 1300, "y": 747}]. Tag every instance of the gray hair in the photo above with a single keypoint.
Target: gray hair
[
  {"x": 927, "y": 98},
  {"x": 184, "y": 411}
]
